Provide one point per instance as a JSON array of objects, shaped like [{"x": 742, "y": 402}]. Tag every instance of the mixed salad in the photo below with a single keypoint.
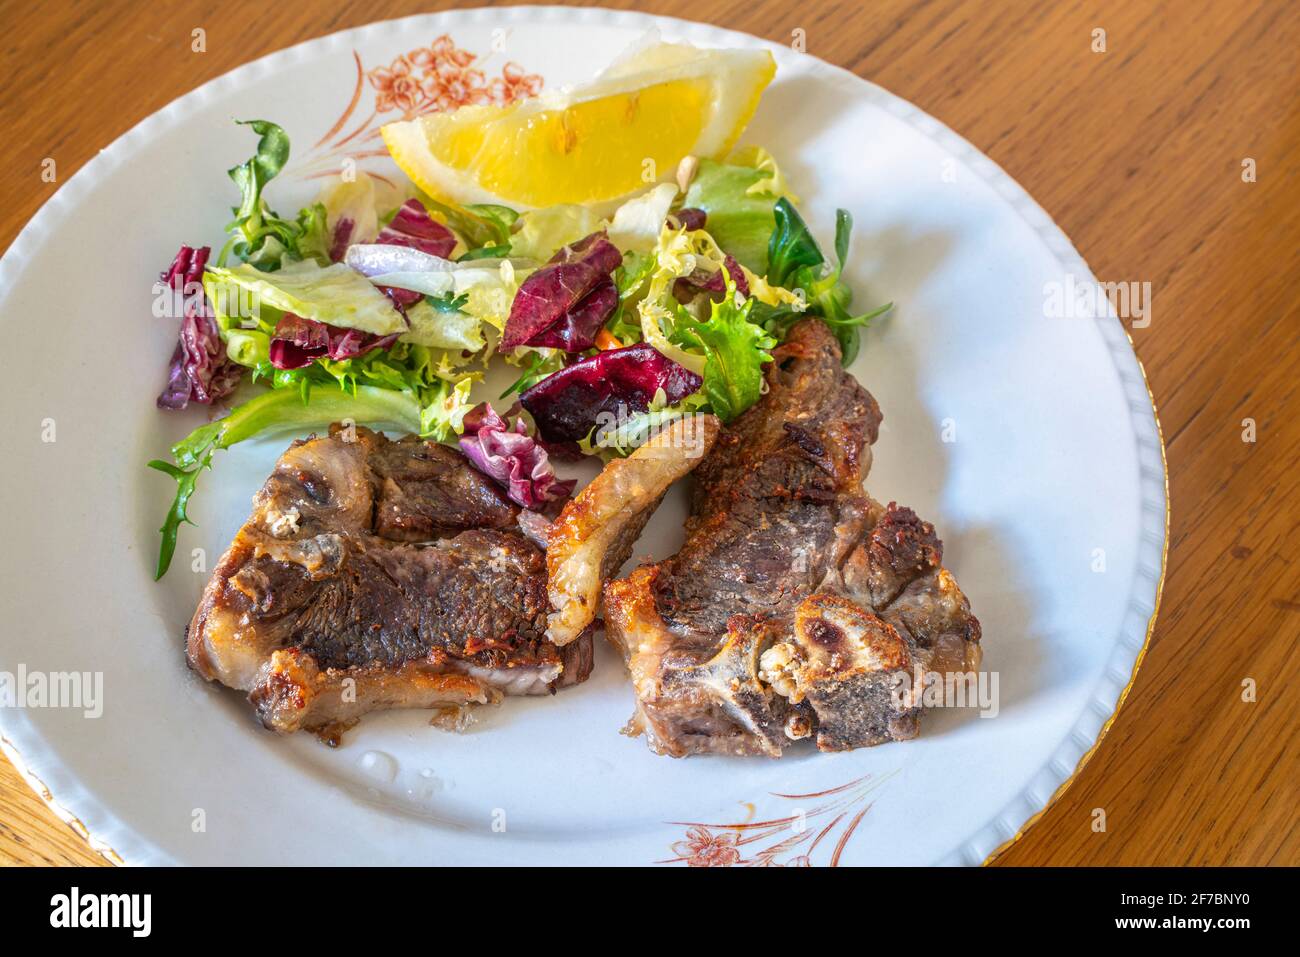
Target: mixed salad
[{"x": 380, "y": 305}]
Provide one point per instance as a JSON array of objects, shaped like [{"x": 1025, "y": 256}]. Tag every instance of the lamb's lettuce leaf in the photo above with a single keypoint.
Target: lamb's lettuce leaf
[
  {"x": 790, "y": 246},
  {"x": 496, "y": 220},
  {"x": 796, "y": 261}
]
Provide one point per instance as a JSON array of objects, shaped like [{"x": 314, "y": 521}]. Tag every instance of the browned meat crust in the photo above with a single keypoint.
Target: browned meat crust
[
  {"x": 376, "y": 574},
  {"x": 797, "y": 603},
  {"x": 595, "y": 533}
]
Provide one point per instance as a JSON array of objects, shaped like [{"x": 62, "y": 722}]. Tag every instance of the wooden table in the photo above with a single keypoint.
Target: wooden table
[{"x": 1137, "y": 152}]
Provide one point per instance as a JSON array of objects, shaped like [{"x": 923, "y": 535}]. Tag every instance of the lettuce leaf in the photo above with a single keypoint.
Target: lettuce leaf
[
  {"x": 604, "y": 388},
  {"x": 739, "y": 209},
  {"x": 621, "y": 438},
  {"x": 790, "y": 246},
  {"x": 507, "y": 454},
  {"x": 540, "y": 232},
  {"x": 334, "y": 294},
  {"x": 632, "y": 279},
  {"x": 566, "y": 302},
  {"x": 637, "y": 223},
  {"x": 735, "y": 351},
  {"x": 443, "y": 328},
  {"x": 200, "y": 370},
  {"x": 485, "y": 288},
  {"x": 413, "y": 227},
  {"x": 684, "y": 253},
  {"x": 478, "y": 225},
  {"x": 498, "y": 221},
  {"x": 442, "y": 417},
  {"x": 350, "y": 213}
]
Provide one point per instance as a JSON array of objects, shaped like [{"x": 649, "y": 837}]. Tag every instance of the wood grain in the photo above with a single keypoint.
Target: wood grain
[{"x": 1137, "y": 152}]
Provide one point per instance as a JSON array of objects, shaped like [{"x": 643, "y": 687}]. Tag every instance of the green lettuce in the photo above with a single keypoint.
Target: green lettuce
[
  {"x": 332, "y": 294},
  {"x": 541, "y": 232},
  {"x": 632, "y": 279},
  {"x": 537, "y": 365},
  {"x": 478, "y": 224},
  {"x": 734, "y": 349},
  {"x": 790, "y": 245},
  {"x": 738, "y": 198},
  {"x": 440, "y": 325},
  {"x": 633, "y": 432}
]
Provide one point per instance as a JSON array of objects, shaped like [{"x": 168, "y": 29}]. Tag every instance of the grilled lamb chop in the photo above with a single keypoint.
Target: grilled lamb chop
[
  {"x": 375, "y": 574},
  {"x": 798, "y": 606}
]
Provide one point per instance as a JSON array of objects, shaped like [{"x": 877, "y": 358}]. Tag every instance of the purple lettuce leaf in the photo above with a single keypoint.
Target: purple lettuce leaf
[
  {"x": 413, "y": 226},
  {"x": 688, "y": 218},
  {"x": 564, "y": 304},
  {"x": 575, "y": 331},
  {"x": 568, "y": 404},
  {"x": 401, "y": 298},
  {"x": 342, "y": 238},
  {"x": 298, "y": 342},
  {"x": 200, "y": 371},
  {"x": 688, "y": 287},
  {"x": 513, "y": 458}
]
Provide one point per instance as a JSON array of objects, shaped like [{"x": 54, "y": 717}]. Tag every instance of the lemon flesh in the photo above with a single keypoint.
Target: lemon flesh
[{"x": 592, "y": 145}]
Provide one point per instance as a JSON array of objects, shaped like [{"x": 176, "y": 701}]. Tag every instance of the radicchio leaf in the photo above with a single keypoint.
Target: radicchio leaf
[
  {"x": 200, "y": 370},
  {"x": 342, "y": 238},
  {"x": 512, "y": 457},
  {"x": 401, "y": 298},
  {"x": 564, "y": 304},
  {"x": 568, "y": 404},
  {"x": 413, "y": 226},
  {"x": 688, "y": 287},
  {"x": 298, "y": 342},
  {"x": 688, "y": 218},
  {"x": 577, "y": 328}
]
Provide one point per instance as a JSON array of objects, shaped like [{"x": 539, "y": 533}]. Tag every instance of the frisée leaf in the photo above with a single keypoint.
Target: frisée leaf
[{"x": 735, "y": 351}]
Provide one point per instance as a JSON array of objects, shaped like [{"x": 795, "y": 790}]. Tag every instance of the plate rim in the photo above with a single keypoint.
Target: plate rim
[{"x": 1011, "y": 823}]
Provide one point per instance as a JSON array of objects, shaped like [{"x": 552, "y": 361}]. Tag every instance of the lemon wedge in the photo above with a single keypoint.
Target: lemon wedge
[{"x": 596, "y": 144}]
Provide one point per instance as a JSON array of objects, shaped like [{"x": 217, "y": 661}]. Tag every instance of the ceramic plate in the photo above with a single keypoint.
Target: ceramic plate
[{"x": 1024, "y": 431}]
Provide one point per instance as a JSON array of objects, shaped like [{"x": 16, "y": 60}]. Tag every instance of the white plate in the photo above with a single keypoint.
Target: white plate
[{"x": 1050, "y": 501}]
